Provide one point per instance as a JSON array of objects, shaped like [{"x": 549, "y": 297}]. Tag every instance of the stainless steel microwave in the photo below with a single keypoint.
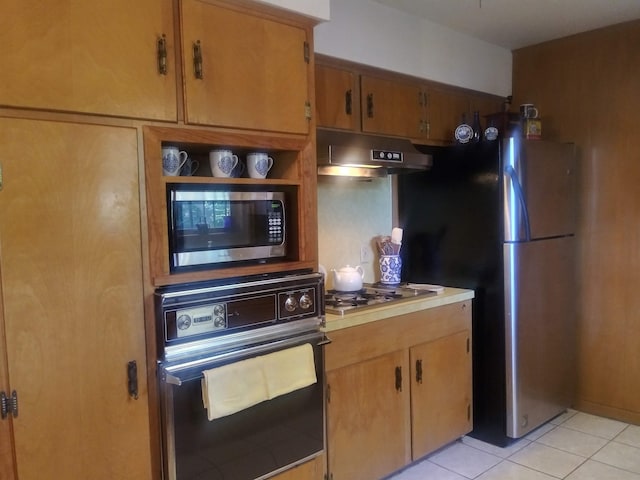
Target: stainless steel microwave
[{"x": 213, "y": 226}]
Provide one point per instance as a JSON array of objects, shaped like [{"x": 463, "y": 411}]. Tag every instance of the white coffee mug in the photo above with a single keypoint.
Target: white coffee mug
[
  {"x": 172, "y": 160},
  {"x": 222, "y": 162},
  {"x": 189, "y": 168},
  {"x": 259, "y": 164},
  {"x": 528, "y": 110}
]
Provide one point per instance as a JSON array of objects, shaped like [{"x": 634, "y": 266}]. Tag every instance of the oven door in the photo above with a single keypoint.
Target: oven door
[{"x": 254, "y": 443}]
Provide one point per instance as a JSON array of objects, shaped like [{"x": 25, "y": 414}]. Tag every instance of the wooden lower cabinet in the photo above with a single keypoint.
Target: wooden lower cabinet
[
  {"x": 366, "y": 418},
  {"x": 71, "y": 305},
  {"x": 398, "y": 389},
  {"x": 440, "y": 392}
]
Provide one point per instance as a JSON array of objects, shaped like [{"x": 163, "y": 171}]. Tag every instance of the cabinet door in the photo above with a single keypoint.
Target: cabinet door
[
  {"x": 444, "y": 113},
  {"x": 391, "y": 107},
  {"x": 368, "y": 418},
  {"x": 91, "y": 57},
  {"x": 253, "y": 70},
  {"x": 337, "y": 103},
  {"x": 73, "y": 299},
  {"x": 440, "y": 392},
  {"x": 7, "y": 469}
]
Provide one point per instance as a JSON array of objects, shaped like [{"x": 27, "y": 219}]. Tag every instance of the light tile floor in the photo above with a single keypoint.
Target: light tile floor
[{"x": 573, "y": 446}]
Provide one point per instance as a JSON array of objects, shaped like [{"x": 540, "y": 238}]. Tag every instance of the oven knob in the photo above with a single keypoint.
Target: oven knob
[
  {"x": 291, "y": 304},
  {"x": 219, "y": 322},
  {"x": 184, "y": 322},
  {"x": 305, "y": 301},
  {"x": 218, "y": 310}
]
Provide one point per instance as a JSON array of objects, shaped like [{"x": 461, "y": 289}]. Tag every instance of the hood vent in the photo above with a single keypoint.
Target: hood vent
[{"x": 358, "y": 155}]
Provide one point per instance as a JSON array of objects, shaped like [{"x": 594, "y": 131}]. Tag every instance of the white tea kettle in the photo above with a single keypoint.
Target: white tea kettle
[{"x": 348, "y": 279}]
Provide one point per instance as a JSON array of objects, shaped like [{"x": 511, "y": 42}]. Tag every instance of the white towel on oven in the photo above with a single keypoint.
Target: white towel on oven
[
  {"x": 289, "y": 370},
  {"x": 234, "y": 387}
]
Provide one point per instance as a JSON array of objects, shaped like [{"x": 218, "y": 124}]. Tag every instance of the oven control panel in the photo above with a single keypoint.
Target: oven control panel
[
  {"x": 190, "y": 313},
  {"x": 195, "y": 320}
]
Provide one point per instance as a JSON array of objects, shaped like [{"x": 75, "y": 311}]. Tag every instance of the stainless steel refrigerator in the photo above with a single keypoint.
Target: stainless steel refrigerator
[{"x": 499, "y": 218}]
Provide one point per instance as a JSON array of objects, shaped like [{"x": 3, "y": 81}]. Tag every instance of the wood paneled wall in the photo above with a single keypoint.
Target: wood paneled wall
[{"x": 587, "y": 88}]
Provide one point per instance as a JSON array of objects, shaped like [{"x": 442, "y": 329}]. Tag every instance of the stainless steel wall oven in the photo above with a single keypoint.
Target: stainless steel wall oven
[{"x": 209, "y": 327}]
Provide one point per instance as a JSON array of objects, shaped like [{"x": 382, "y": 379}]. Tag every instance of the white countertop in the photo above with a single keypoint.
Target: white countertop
[{"x": 351, "y": 319}]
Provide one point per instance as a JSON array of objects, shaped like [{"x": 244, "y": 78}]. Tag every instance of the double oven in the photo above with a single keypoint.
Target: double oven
[{"x": 207, "y": 327}]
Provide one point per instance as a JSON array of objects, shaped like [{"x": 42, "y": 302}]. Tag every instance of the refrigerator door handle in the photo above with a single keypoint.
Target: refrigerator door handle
[{"x": 519, "y": 193}]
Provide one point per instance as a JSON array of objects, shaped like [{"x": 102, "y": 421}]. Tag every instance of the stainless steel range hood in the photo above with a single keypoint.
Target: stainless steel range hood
[{"x": 358, "y": 155}]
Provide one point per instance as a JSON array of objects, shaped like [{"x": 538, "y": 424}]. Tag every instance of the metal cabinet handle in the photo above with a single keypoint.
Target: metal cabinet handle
[
  {"x": 161, "y": 50},
  {"x": 519, "y": 192},
  {"x": 132, "y": 379},
  {"x": 348, "y": 102},
  {"x": 197, "y": 60},
  {"x": 370, "y": 105},
  {"x": 418, "y": 371},
  {"x": 399, "y": 379}
]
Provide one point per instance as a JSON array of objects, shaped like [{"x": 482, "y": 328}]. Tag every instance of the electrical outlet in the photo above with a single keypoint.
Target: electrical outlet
[{"x": 365, "y": 254}]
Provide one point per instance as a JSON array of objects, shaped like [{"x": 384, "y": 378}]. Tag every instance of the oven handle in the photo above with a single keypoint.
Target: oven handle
[{"x": 178, "y": 373}]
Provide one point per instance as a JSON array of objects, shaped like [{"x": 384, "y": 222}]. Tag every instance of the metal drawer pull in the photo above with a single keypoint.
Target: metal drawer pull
[
  {"x": 399, "y": 379},
  {"x": 419, "y": 371}
]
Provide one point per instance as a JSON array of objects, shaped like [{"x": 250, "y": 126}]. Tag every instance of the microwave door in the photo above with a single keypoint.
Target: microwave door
[{"x": 234, "y": 227}]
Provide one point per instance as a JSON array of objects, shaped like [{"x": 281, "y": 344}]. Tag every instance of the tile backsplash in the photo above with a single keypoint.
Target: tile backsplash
[{"x": 351, "y": 213}]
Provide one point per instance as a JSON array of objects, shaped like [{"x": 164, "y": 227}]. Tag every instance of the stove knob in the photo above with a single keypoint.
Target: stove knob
[
  {"x": 291, "y": 303},
  {"x": 305, "y": 301},
  {"x": 184, "y": 322},
  {"x": 218, "y": 310},
  {"x": 219, "y": 322}
]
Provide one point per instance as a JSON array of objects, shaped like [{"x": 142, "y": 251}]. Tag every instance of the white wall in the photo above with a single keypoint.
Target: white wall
[
  {"x": 367, "y": 32},
  {"x": 318, "y": 9}
]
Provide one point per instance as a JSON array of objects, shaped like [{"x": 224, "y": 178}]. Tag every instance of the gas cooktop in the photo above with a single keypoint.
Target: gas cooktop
[{"x": 371, "y": 295}]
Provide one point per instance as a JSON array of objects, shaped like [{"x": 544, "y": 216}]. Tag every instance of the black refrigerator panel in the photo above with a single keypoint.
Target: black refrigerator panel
[
  {"x": 452, "y": 221},
  {"x": 451, "y": 217}
]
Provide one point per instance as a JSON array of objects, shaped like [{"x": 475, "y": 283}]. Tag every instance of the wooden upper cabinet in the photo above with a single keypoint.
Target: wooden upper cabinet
[
  {"x": 89, "y": 57},
  {"x": 337, "y": 98},
  {"x": 445, "y": 110},
  {"x": 392, "y": 107},
  {"x": 244, "y": 70}
]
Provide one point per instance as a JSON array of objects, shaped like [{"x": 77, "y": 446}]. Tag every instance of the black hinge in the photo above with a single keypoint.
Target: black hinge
[
  {"x": 468, "y": 345},
  {"x": 328, "y": 393},
  {"x": 307, "y": 110},
  {"x": 306, "y": 52},
  {"x": 469, "y": 412},
  {"x": 8, "y": 405}
]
